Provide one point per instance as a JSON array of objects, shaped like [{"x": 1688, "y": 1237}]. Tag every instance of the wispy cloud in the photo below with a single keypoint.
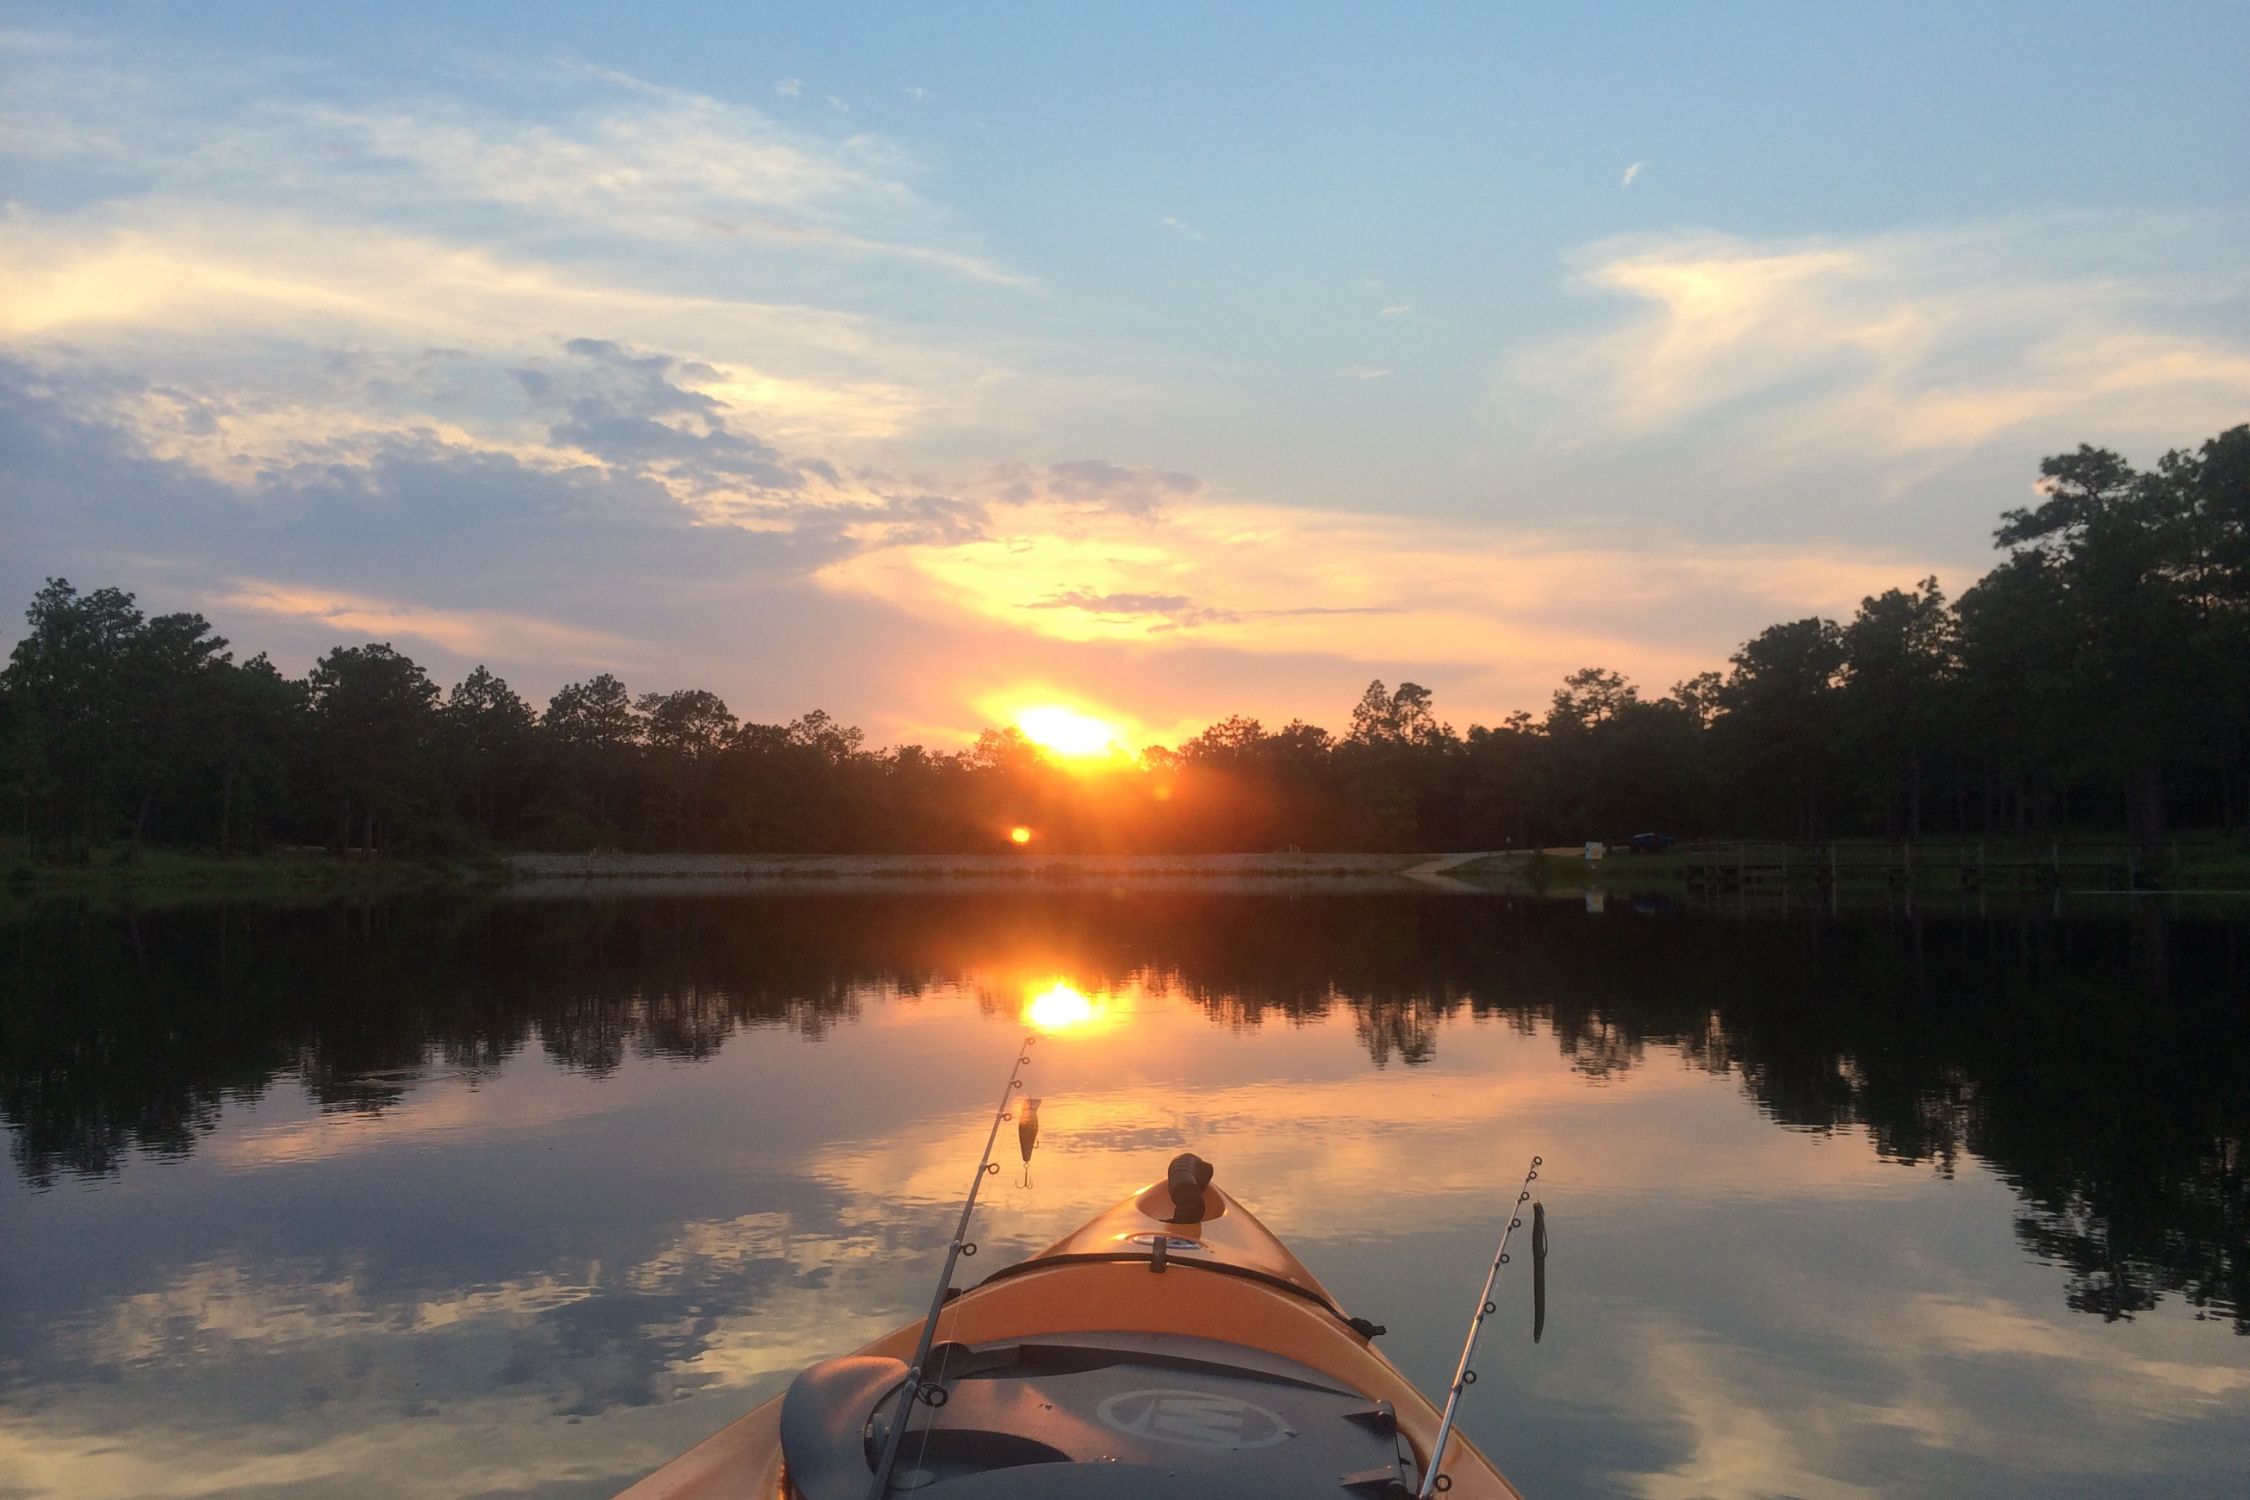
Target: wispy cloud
[
  {"x": 1632, "y": 173},
  {"x": 1363, "y": 372},
  {"x": 209, "y": 297},
  {"x": 1399, "y": 311},
  {"x": 1182, "y": 227},
  {"x": 623, "y": 158},
  {"x": 1156, "y": 612},
  {"x": 464, "y": 632},
  {"x": 790, "y": 88},
  {"x": 1917, "y": 342},
  {"x": 1093, "y": 484},
  {"x": 1279, "y": 581}
]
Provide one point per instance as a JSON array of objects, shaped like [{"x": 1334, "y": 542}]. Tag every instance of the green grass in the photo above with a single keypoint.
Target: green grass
[
  {"x": 2205, "y": 864},
  {"x": 2215, "y": 868},
  {"x": 156, "y": 876}
]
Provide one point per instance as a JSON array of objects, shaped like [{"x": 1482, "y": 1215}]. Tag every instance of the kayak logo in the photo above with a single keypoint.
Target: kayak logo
[
  {"x": 1193, "y": 1419},
  {"x": 1171, "y": 1241}
]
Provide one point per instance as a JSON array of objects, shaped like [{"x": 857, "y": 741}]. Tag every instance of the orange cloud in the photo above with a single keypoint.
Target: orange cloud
[
  {"x": 1269, "y": 579},
  {"x": 467, "y": 632}
]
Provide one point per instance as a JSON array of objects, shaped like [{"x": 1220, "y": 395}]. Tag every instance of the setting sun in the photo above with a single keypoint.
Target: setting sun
[
  {"x": 1019, "y": 835},
  {"x": 1069, "y": 733}
]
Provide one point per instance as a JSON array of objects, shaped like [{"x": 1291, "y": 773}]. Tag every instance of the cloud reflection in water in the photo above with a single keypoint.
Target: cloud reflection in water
[{"x": 528, "y": 1202}]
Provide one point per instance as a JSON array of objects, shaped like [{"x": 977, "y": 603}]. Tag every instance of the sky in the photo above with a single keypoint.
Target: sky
[{"x": 923, "y": 363}]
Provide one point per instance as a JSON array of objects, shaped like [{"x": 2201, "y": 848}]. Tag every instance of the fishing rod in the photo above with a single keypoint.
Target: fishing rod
[
  {"x": 911, "y": 1391},
  {"x": 1463, "y": 1376}
]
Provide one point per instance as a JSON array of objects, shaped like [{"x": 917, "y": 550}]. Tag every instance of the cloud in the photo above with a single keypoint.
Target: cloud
[
  {"x": 643, "y": 505},
  {"x": 237, "y": 301},
  {"x": 628, "y": 413},
  {"x": 790, "y": 88},
  {"x": 394, "y": 532},
  {"x": 1632, "y": 173},
  {"x": 1919, "y": 343},
  {"x": 1160, "y": 612},
  {"x": 606, "y": 153},
  {"x": 1094, "y": 484},
  {"x": 467, "y": 633},
  {"x": 1471, "y": 600},
  {"x": 1738, "y": 1448},
  {"x": 1166, "y": 612},
  {"x": 467, "y": 362}
]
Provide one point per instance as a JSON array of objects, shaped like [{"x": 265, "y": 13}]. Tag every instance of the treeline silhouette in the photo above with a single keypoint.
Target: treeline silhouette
[
  {"x": 2100, "y": 1065},
  {"x": 2098, "y": 677}
]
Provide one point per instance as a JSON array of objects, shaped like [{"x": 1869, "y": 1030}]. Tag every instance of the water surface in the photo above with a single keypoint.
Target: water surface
[{"x": 522, "y": 1196}]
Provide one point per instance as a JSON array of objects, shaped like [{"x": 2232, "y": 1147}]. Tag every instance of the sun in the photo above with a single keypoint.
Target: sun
[{"x": 1071, "y": 735}]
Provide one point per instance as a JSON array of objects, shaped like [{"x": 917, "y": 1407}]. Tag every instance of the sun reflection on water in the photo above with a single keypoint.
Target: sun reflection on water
[{"x": 1063, "y": 1007}]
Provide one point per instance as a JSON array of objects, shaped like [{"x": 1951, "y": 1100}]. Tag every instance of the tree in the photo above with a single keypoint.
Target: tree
[
  {"x": 2015, "y": 713},
  {"x": 834, "y": 742},
  {"x": 1589, "y": 697},
  {"x": 1698, "y": 697},
  {"x": 373, "y": 711},
  {"x": 596, "y": 736},
  {"x": 263, "y": 746},
  {"x": 2123, "y": 546},
  {"x": 1401, "y": 717},
  {"x": 1898, "y": 662},
  {"x": 1234, "y": 740},
  {"x": 2211, "y": 489},
  {"x": 1779, "y": 724},
  {"x": 487, "y": 733},
  {"x": 685, "y": 733},
  {"x": 594, "y": 717},
  {"x": 65, "y": 680},
  {"x": 176, "y": 709},
  {"x": 689, "y": 725}
]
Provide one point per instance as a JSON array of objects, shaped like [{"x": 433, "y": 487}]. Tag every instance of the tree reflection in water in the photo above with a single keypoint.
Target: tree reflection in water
[{"x": 2097, "y": 1063}]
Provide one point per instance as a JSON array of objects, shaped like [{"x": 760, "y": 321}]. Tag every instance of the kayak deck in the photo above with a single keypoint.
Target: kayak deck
[{"x": 1084, "y": 1371}]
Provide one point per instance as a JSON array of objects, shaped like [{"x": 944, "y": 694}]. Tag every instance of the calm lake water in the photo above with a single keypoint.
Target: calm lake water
[{"x": 521, "y": 1196}]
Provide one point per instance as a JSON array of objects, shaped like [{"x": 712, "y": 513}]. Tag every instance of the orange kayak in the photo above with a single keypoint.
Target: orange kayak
[{"x": 1141, "y": 1356}]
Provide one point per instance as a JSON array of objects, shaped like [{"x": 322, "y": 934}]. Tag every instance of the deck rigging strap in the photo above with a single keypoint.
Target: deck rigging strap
[
  {"x": 911, "y": 1390},
  {"x": 1433, "y": 1478}
]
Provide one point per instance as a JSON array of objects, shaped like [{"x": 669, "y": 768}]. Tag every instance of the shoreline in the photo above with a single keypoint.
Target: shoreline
[{"x": 158, "y": 877}]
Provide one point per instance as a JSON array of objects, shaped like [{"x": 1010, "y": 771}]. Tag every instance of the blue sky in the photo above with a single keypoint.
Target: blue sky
[{"x": 920, "y": 363}]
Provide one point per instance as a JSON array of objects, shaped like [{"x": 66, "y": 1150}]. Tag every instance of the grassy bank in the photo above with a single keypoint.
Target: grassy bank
[
  {"x": 159, "y": 875},
  {"x": 2203, "y": 864}
]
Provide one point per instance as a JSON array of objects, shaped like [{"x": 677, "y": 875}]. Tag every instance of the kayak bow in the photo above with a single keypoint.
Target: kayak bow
[{"x": 1172, "y": 1347}]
